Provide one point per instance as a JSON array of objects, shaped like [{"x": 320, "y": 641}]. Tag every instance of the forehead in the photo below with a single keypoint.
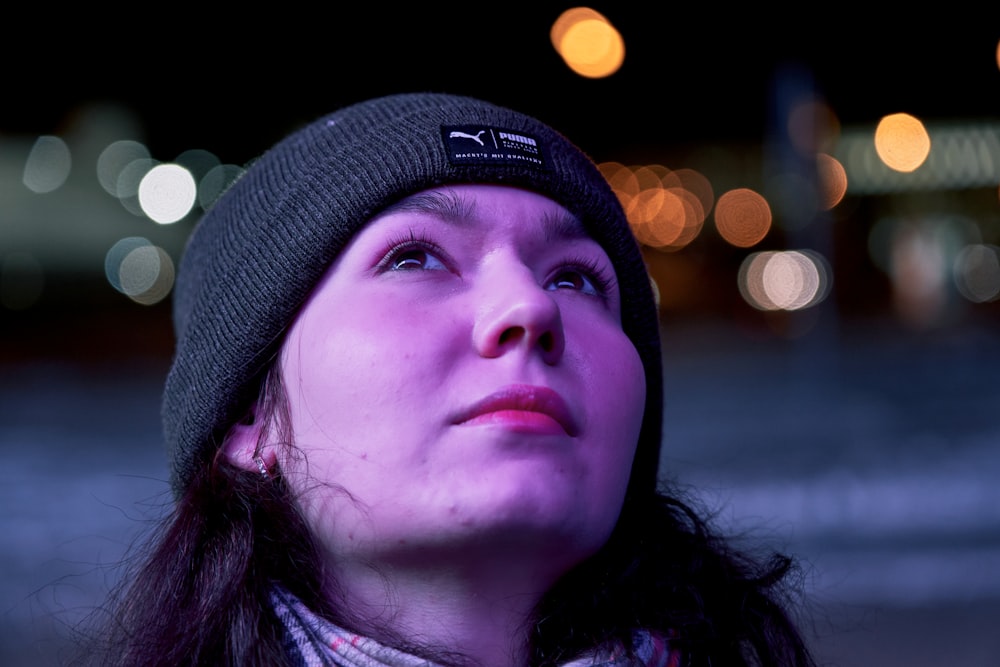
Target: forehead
[{"x": 469, "y": 206}]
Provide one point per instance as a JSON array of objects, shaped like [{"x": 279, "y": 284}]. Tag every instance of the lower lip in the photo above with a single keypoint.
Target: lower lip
[{"x": 520, "y": 420}]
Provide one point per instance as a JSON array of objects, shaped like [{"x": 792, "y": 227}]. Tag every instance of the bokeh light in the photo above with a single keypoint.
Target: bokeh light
[
  {"x": 902, "y": 142},
  {"x": 114, "y": 159},
  {"x": 742, "y": 217},
  {"x": 976, "y": 271},
  {"x": 139, "y": 270},
  {"x": 588, "y": 43},
  {"x": 48, "y": 165},
  {"x": 666, "y": 208},
  {"x": 128, "y": 182},
  {"x": 832, "y": 178},
  {"x": 167, "y": 193},
  {"x": 784, "y": 280},
  {"x": 925, "y": 257}
]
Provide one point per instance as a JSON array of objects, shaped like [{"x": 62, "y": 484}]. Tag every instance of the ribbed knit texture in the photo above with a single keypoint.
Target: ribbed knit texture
[{"x": 258, "y": 252}]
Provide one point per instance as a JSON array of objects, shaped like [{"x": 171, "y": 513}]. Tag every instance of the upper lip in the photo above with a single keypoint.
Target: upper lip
[{"x": 528, "y": 398}]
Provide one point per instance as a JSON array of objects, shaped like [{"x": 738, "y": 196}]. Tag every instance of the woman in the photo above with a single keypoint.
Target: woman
[{"x": 415, "y": 413}]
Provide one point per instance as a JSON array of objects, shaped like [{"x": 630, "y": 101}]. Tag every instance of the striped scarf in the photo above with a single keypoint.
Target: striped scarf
[{"x": 312, "y": 641}]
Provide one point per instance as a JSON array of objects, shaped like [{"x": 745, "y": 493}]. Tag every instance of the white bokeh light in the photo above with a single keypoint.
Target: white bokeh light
[
  {"x": 167, "y": 193},
  {"x": 784, "y": 280}
]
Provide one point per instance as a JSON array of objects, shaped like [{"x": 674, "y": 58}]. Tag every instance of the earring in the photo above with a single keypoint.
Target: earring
[{"x": 260, "y": 466}]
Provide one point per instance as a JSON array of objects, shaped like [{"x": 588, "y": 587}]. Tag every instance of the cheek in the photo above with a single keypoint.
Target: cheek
[
  {"x": 618, "y": 403},
  {"x": 618, "y": 385},
  {"x": 346, "y": 354},
  {"x": 361, "y": 375},
  {"x": 327, "y": 375}
]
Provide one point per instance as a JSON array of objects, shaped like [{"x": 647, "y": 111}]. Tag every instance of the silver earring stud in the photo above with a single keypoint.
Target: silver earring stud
[{"x": 260, "y": 466}]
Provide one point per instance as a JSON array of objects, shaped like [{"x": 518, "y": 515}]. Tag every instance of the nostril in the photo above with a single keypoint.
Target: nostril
[
  {"x": 514, "y": 334},
  {"x": 508, "y": 334}
]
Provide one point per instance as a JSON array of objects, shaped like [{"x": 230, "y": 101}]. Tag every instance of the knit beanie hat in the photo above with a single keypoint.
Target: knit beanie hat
[{"x": 258, "y": 252}]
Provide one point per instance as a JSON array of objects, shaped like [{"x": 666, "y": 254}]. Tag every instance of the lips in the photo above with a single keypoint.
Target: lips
[{"x": 525, "y": 406}]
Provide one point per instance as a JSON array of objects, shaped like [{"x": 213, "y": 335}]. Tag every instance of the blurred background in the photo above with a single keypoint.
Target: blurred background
[{"x": 818, "y": 201}]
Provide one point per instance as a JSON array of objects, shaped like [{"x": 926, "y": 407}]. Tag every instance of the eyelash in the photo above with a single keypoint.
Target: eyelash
[
  {"x": 595, "y": 271},
  {"x": 602, "y": 278},
  {"x": 402, "y": 244}
]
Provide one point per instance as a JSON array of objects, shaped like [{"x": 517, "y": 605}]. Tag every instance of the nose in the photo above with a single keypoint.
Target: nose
[{"x": 518, "y": 313}]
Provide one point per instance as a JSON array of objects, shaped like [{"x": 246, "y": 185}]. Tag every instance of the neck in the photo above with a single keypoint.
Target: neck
[{"x": 481, "y": 608}]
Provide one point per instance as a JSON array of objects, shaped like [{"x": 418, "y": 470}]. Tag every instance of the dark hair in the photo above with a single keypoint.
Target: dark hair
[
  {"x": 664, "y": 568},
  {"x": 201, "y": 596}
]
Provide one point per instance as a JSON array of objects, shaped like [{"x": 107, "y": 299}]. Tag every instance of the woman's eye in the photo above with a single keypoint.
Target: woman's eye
[
  {"x": 575, "y": 280},
  {"x": 407, "y": 259}
]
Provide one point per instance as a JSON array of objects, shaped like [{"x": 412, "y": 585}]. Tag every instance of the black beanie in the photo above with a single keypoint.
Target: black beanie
[{"x": 257, "y": 253}]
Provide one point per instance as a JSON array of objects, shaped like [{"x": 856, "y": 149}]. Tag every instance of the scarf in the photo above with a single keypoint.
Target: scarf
[{"x": 312, "y": 641}]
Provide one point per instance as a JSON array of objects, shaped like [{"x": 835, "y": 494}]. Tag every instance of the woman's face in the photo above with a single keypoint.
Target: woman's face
[{"x": 460, "y": 379}]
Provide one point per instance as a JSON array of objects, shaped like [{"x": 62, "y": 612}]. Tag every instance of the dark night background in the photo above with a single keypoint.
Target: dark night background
[{"x": 236, "y": 82}]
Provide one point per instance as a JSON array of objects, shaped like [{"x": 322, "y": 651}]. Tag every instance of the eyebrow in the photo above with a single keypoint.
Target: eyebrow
[{"x": 460, "y": 211}]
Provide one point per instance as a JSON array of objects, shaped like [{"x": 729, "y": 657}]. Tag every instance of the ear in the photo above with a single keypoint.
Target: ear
[{"x": 243, "y": 444}]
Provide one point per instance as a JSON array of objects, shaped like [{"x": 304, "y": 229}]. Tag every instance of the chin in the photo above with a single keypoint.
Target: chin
[{"x": 562, "y": 529}]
